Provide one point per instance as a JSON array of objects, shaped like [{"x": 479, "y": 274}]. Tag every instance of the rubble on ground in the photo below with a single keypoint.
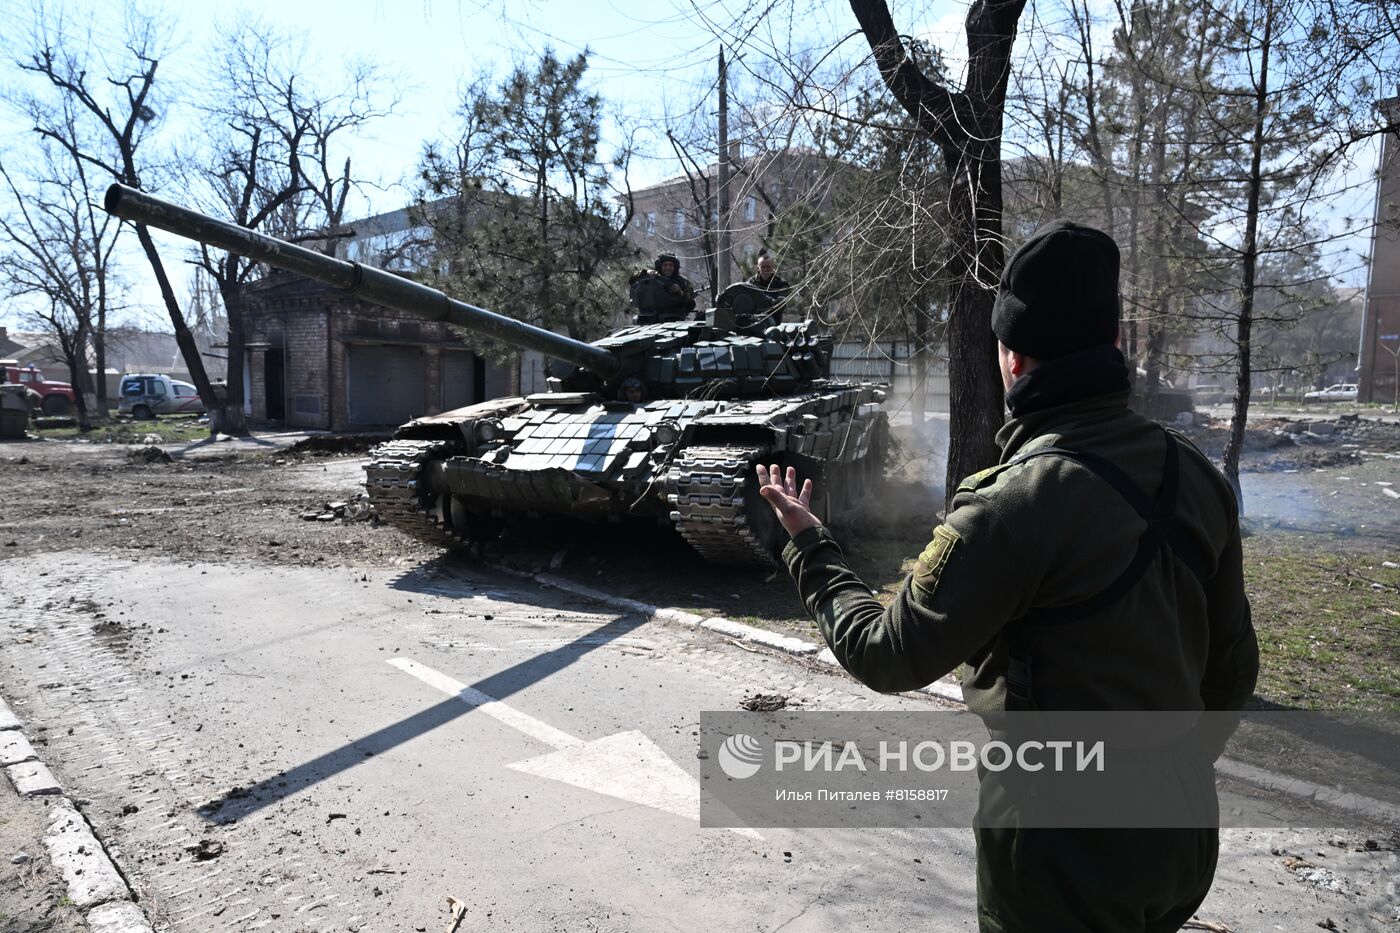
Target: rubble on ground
[
  {"x": 1298, "y": 444},
  {"x": 764, "y": 703},
  {"x": 149, "y": 454},
  {"x": 358, "y": 509},
  {"x": 335, "y": 444}
]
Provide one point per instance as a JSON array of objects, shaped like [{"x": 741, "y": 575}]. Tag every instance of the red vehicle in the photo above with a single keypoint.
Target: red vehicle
[{"x": 58, "y": 397}]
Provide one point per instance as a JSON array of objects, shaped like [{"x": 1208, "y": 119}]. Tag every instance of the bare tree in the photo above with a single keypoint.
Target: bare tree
[
  {"x": 120, "y": 127},
  {"x": 967, "y": 126},
  {"x": 1299, "y": 71},
  {"x": 254, "y": 173},
  {"x": 325, "y": 180},
  {"x": 849, "y": 196},
  {"x": 885, "y": 235},
  {"x": 701, "y": 210},
  {"x": 1213, "y": 134},
  {"x": 268, "y": 165},
  {"x": 52, "y": 256}
]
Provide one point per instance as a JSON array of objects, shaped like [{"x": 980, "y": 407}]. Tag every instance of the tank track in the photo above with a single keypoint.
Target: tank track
[
  {"x": 712, "y": 491},
  {"x": 393, "y": 480}
]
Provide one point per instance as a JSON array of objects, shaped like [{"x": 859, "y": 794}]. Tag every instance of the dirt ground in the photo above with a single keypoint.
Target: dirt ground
[{"x": 1321, "y": 557}]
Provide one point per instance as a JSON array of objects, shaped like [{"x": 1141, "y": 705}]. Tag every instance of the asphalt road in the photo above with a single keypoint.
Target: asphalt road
[{"x": 302, "y": 719}]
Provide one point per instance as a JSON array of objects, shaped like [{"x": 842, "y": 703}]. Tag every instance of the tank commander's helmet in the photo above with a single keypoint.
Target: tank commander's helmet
[{"x": 663, "y": 257}]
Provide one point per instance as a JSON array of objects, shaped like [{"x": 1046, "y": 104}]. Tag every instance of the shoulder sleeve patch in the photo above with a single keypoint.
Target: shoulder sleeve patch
[
  {"x": 981, "y": 478},
  {"x": 935, "y": 558}
]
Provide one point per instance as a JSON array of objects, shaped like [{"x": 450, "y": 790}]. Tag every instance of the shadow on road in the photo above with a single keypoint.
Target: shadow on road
[
  {"x": 242, "y": 801},
  {"x": 192, "y": 446}
]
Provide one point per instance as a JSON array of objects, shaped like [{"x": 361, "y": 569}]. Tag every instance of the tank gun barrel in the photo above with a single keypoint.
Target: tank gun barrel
[{"x": 367, "y": 282}]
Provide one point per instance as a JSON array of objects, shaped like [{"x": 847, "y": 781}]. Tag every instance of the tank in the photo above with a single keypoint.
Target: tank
[
  {"x": 664, "y": 420},
  {"x": 14, "y": 411}
]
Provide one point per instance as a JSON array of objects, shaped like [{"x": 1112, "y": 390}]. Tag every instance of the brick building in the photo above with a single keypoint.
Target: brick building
[
  {"x": 1378, "y": 362},
  {"x": 677, "y": 214},
  {"x": 316, "y": 357}
]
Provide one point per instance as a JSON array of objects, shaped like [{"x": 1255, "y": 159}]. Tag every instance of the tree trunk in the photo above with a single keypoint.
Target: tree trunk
[
  {"x": 1160, "y": 290},
  {"x": 75, "y": 356},
  {"x": 967, "y": 127},
  {"x": 1138, "y": 23},
  {"x": 1234, "y": 444},
  {"x": 99, "y": 356},
  {"x": 977, "y": 396},
  {"x": 1093, "y": 139},
  {"x": 99, "y": 332}
]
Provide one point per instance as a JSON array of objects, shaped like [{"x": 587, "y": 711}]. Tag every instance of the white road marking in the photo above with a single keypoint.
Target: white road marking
[
  {"x": 520, "y": 722},
  {"x": 628, "y": 765}
]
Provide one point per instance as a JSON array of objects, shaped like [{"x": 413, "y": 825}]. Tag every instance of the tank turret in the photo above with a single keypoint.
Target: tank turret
[{"x": 665, "y": 420}]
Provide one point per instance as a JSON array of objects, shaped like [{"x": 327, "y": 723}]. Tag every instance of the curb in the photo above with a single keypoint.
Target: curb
[
  {"x": 95, "y": 885},
  {"x": 786, "y": 644},
  {"x": 1329, "y": 797},
  {"x": 950, "y": 692}
]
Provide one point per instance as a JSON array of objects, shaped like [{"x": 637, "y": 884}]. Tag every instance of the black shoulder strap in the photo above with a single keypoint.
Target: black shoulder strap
[{"x": 1162, "y": 528}]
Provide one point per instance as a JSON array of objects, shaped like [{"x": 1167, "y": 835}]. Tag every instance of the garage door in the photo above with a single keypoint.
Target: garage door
[
  {"x": 384, "y": 385},
  {"x": 458, "y": 379}
]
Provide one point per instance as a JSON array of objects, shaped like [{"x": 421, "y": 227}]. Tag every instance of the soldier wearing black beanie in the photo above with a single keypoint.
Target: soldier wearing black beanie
[
  {"x": 1059, "y": 292},
  {"x": 1097, "y": 566}
]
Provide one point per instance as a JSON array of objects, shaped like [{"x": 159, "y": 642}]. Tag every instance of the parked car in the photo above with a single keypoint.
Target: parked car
[
  {"x": 1208, "y": 393},
  {"x": 1341, "y": 392},
  {"x": 56, "y": 398},
  {"x": 145, "y": 395}
]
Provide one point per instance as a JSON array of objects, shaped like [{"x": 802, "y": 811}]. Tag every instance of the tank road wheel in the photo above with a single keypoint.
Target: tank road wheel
[
  {"x": 456, "y": 522},
  {"x": 396, "y": 483},
  {"x": 717, "y": 508}
]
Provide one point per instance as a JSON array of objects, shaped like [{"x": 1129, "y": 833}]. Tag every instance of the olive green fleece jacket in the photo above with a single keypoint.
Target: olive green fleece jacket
[{"x": 1049, "y": 532}]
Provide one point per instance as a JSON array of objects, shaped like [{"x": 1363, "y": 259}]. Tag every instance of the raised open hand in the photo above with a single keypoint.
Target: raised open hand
[{"x": 793, "y": 507}]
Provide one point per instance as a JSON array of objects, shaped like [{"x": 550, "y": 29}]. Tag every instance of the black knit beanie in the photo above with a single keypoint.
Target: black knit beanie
[{"x": 1059, "y": 292}]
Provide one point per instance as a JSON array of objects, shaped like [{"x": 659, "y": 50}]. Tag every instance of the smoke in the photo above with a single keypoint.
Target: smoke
[
  {"x": 910, "y": 498},
  {"x": 918, "y": 452}
]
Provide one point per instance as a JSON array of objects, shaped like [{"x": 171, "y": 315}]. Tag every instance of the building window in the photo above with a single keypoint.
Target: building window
[
  {"x": 748, "y": 250},
  {"x": 678, "y": 223},
  {"x": 750, "y": 208},
  {"x": 649, "y": 223}
]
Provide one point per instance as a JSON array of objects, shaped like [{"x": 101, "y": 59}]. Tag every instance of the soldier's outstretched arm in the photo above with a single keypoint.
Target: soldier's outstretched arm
[{"x": 968, "y": 583}]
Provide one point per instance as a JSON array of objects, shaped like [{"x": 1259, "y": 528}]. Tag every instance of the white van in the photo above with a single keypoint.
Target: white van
[{"x": 145, "y": 395}]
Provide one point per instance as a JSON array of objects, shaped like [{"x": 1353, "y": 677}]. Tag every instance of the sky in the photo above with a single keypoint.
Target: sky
[
  {"x": 651, "y": 60},
  {"x": 648, "y": 58}
]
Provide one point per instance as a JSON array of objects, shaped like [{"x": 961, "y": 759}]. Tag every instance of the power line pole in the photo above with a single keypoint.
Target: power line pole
[{"x": 722, "y": 261}]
